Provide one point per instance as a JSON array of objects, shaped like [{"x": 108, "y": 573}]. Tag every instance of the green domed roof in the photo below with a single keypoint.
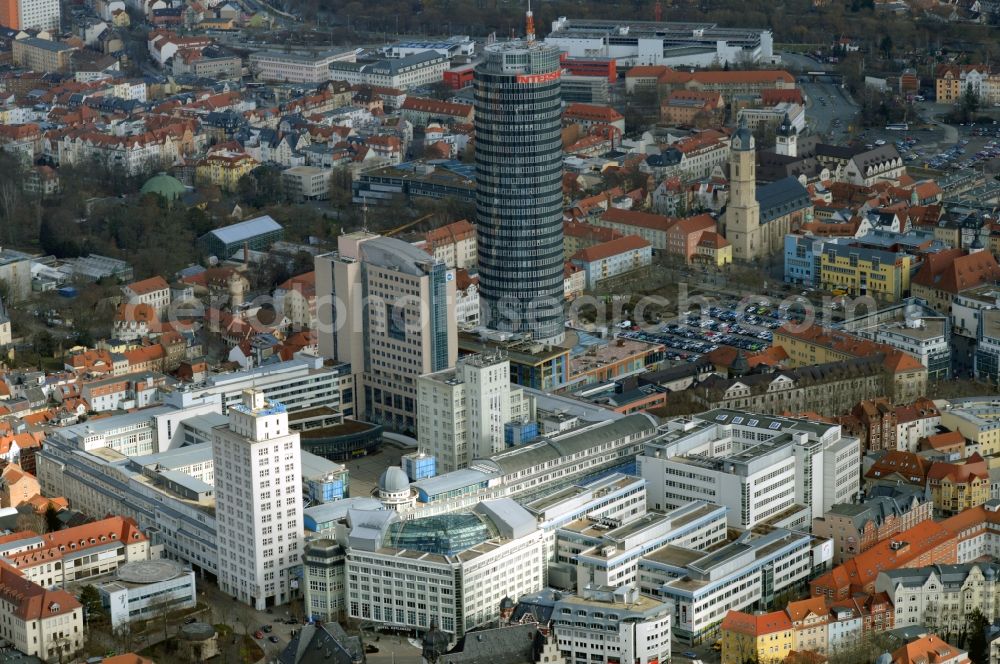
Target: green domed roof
[{"x": 164, "y": 185}]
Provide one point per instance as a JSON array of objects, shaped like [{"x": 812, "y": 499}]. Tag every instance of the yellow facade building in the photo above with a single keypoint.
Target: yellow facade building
[
  {"x": 224, "y": 169},
  {"x": 766, "y": 638},
  {"x": 713, "y": 249},
  {"x": 861, "y": 271},
  {"x": 959, "y": 486}
]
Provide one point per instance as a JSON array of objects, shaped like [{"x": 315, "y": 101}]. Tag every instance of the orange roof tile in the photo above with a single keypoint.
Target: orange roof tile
[{"x": 611, "y": 248}]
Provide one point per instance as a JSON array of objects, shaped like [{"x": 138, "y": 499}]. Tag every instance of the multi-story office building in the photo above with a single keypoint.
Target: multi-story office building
[
  {"x": 940, "y": 597},
  {"x": 536, "y": 469},
  {"x": 602, "y": 625},
  {"x": 145, "y": 431},
  {"x": 661, "y": 43},
  {"x": 864, "y": 271},
  {"x": 258, "y": 497},
  {"x": 387, "y": 309},
  {"x": 301, "y": 383},
  {"x": 518, "y": 189},
  {"x": 606, "y": 551},
  {"x": 323, "y": 579},
  {"x": 776, "y": 470},
  {"x": 452, "y": 569},
  {"x": 402, "y": 73},
  {"x": 703, "y": 586},
  {"x": 462, "y": 412},
  {"x": 30, "y": 14},
  {"x": 913, "y": 328},
  {"x": 102, "y": 481},
  {"x": 296, "y": 67}
]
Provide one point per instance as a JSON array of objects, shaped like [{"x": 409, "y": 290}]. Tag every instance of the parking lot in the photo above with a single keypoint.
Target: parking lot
[{"x": 747, "y": 324}]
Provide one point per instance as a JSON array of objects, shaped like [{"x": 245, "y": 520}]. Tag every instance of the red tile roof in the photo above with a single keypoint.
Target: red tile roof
[
  {"x": 756, "y": 624},
  {"x": 953, "y": 272},
  {"x": 592, "y": 113},
  {"x": 639, "y": 219},
  {"x": 30, "y": 600},
  {"x": 611, "y": 248}
]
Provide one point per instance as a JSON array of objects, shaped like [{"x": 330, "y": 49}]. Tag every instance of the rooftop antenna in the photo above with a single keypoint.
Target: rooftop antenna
[{"x": 529, "y": 25}]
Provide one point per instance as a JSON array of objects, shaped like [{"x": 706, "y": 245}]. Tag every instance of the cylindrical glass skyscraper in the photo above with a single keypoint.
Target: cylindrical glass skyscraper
[{"x": 519, "y": 189}]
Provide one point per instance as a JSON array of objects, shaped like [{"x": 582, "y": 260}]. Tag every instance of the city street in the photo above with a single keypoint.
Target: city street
[{"x": 827, "y": 103}]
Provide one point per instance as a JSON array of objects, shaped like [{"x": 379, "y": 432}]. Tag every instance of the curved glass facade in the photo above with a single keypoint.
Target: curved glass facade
[
  {"x": 519, "y": 189},
  {"x": 444, "y": 534}
]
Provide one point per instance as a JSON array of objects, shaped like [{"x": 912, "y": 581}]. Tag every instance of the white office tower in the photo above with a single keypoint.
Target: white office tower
[
  {"x": 779, "y": 471},
  {"x": 461, "y": 412},
  {"x": 258, "y": 500}
]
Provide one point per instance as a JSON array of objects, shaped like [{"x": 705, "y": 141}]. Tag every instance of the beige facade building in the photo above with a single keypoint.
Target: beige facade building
[
  {"x": 461, "y": 412},
  {"x": 42, "y": 55},
  {"x": 47, "y": 624},
  {"x": 74, "y": 554},
  {"x": 387, "y": 309},
  {"x": 296, "y": 67}
]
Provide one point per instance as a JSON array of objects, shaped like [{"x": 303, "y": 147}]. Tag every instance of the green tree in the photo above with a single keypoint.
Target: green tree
[
  {"x": 978, "y": 646},
  {"x": 52, "y": 522},
  {"x": 91, "y": 601},
  {"x": 885, "y": 46}
]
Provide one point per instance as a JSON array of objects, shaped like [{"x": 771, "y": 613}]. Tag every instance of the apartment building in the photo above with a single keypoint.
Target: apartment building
[
  {"x": 951, "y": 83},
  {"x": 296, "y": 67},
  {"x": 766, "y": 638},
  {"x": 810, "y": 625},
  {"x": 905, "y": 378},
  {"x": 775, "y": 470},
  {"x": 613, "y": 258},
  {"x": 451, "y": 570},
  {"x": 47, "y": 624},
  {"x": 599, "y": 624},
  {"x": 463, "y": 413},
  {"x": 387, "y": 309},
  {"x": 885, "y": 512},
  {"x": 259, "y": 532},
  {"x": 453, "y": 243},
  {"x": 940, "y": 597},
  {"x": 31, "y": 14}
]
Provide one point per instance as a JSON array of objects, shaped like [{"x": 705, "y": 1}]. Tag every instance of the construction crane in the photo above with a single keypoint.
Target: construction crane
[{"x": 407, "y": 225}]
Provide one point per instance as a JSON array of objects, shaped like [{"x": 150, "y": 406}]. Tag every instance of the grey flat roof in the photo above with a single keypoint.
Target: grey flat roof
[
  {"x": 54, "y": 46},
  {"x": 186, "y": 481},
  {"x": 316, "y": 466},
  {"x": 181, "y": 456},
  {"x": 246, "y": 229}
]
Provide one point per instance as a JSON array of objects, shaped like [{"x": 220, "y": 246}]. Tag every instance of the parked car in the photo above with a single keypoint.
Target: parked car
[
  {"x": 273, "y": 639},
  {"x": 267, "y": 629},
  {"x": 258, "y": 634}
]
